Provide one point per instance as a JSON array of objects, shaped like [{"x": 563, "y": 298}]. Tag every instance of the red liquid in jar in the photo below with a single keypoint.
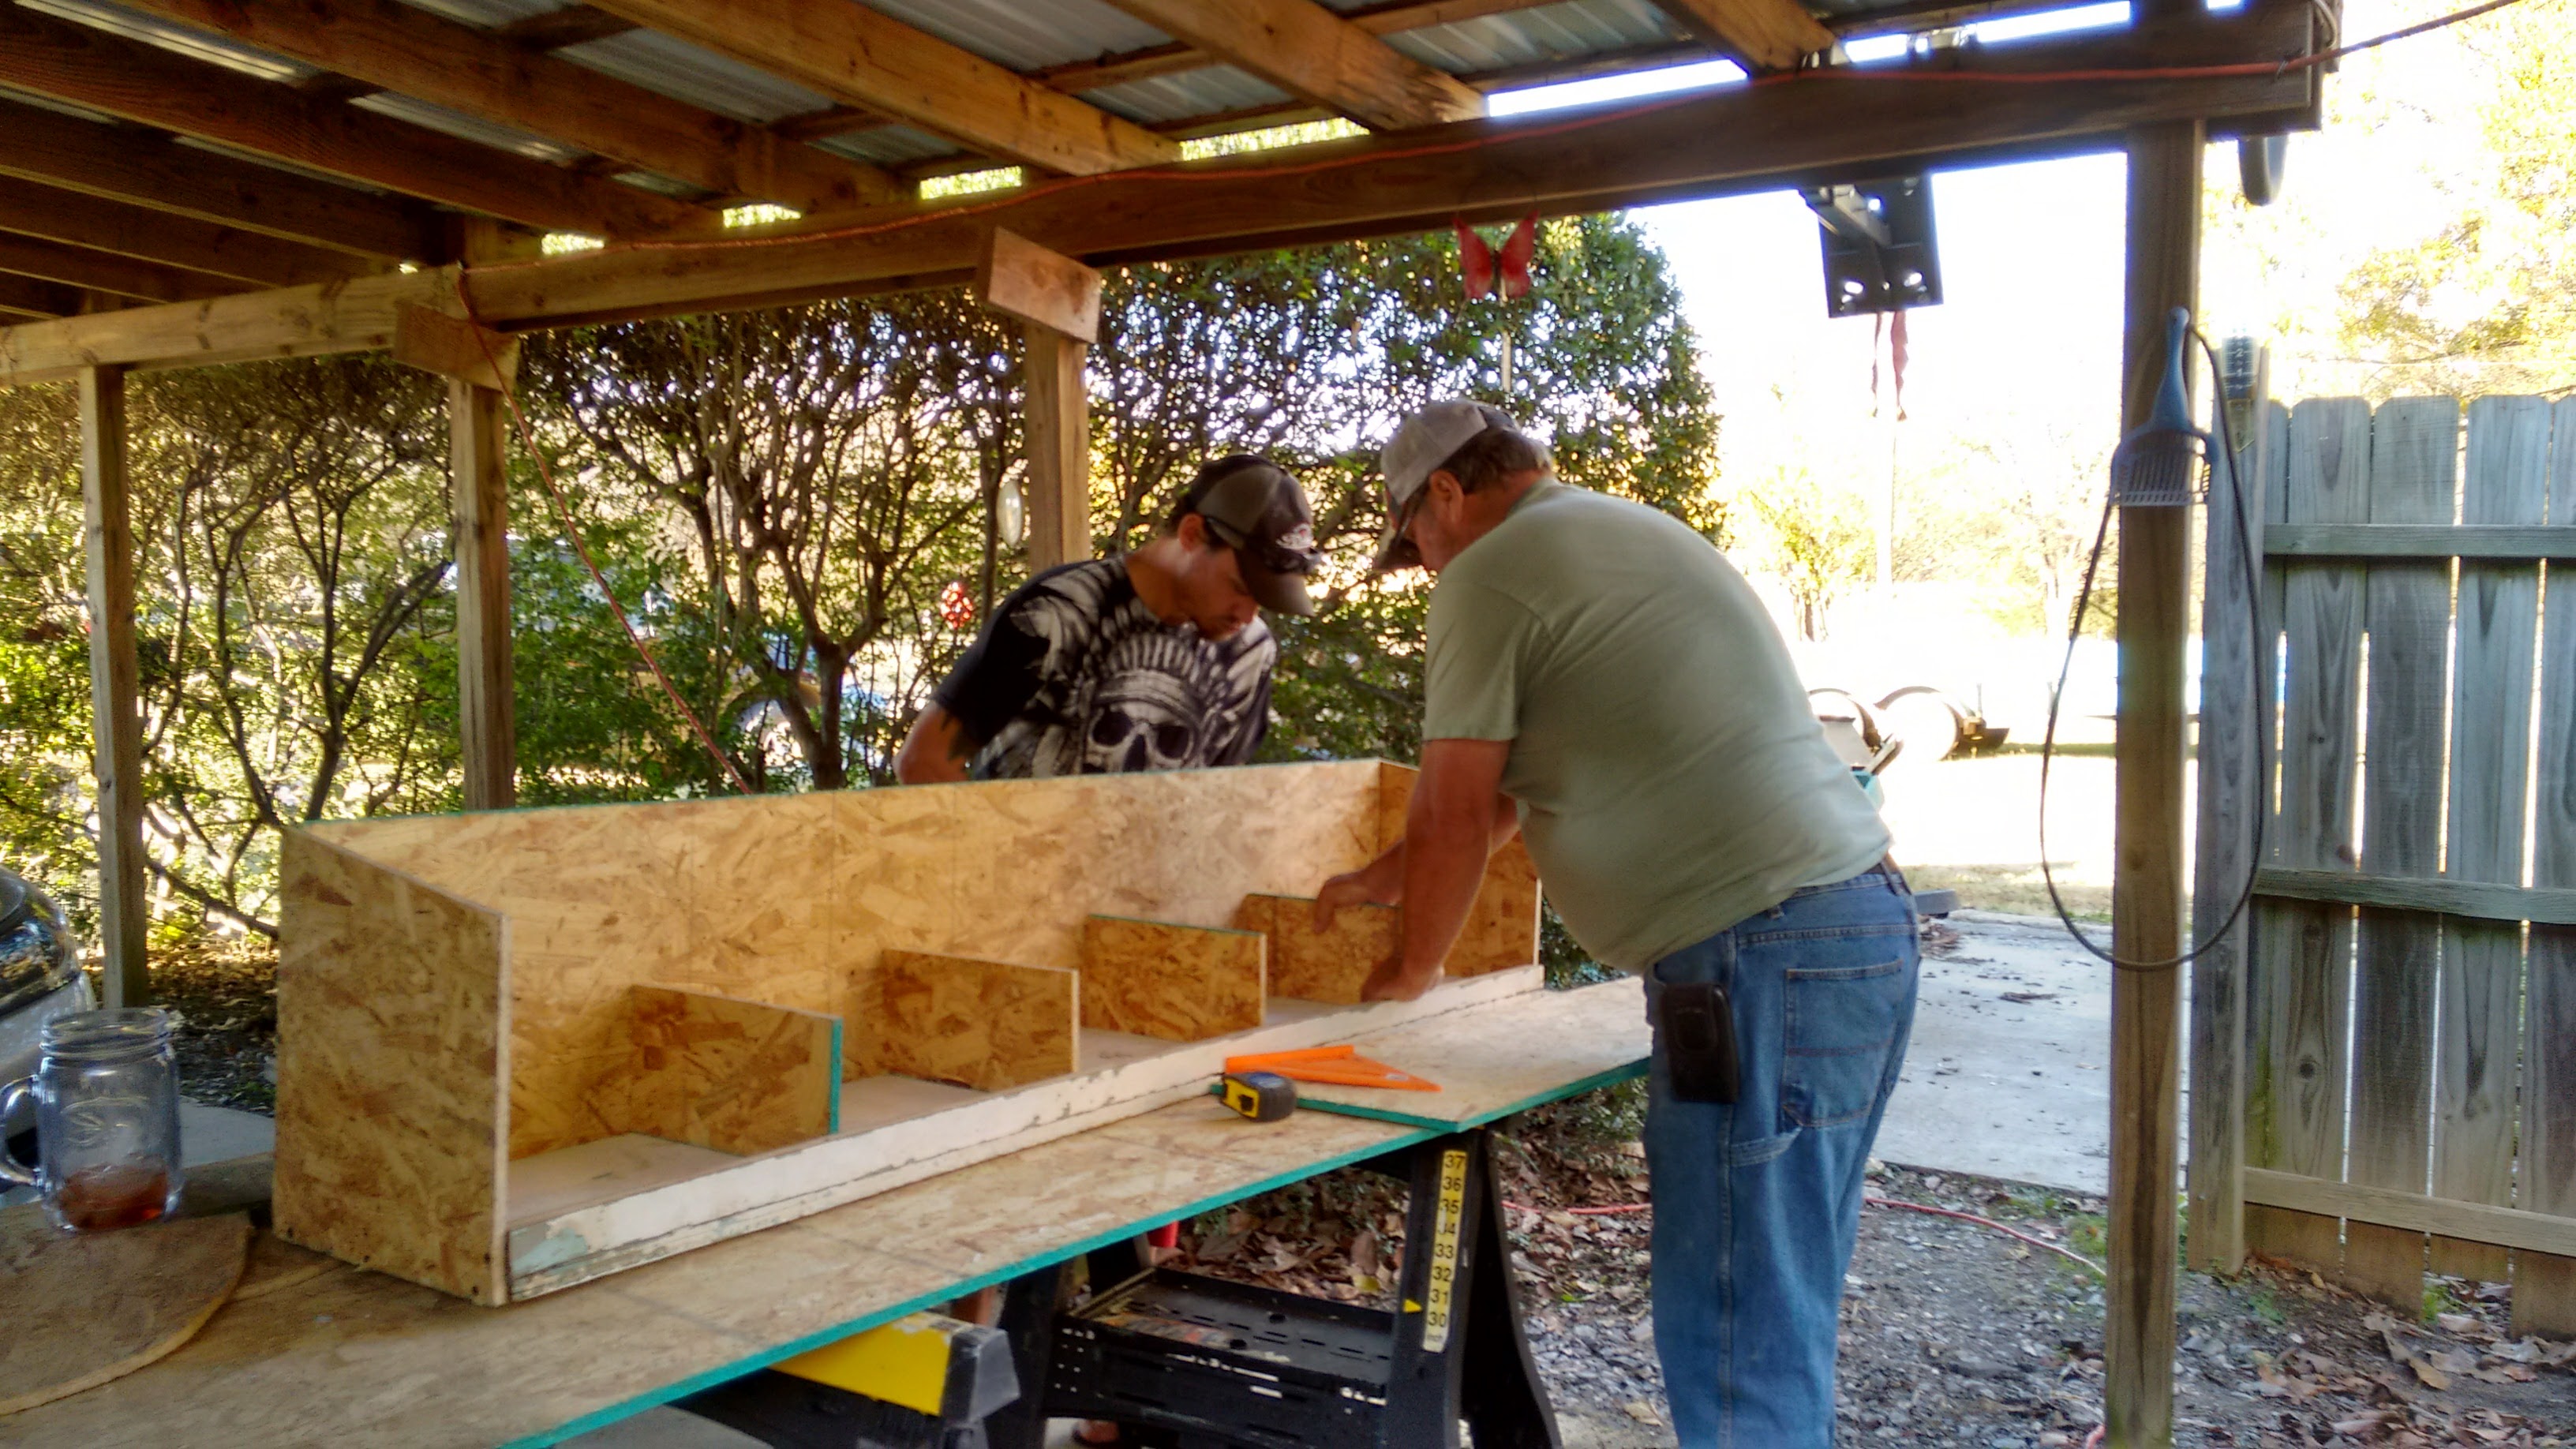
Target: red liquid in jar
[{"x": 113, "y": 1195}]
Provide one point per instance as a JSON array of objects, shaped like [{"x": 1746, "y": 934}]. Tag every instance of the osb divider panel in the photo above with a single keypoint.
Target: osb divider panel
[
  {"x": 989, "y": 1025},
  {"x": 392, "y": 1011},
  {"x": 1502, "y": 926},
  {"x": 1329, "y": 966},
  {"x": 738, "y": 1076},
  {"x": 1178, "y": 983},
  {"x": 792, "y": 900}
]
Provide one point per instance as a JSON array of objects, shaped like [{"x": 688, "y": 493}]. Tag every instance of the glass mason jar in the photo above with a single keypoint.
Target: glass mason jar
[{"x": 107, "y": 1120}]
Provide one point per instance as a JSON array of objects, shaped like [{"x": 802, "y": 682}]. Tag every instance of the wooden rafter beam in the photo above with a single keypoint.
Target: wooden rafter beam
[
  {"x": 27, "y": 297},
  {"x": 105, "y": 272},
  {"x": 1310, "y": 52},
  {"x": 858, "y": 56},
  {"x": 75, "y": 219},
  {"x": 1722, "y": 142},
  {"x": 145, "y": 168},
  {"x": 144, "y": 83},
  {"x": 1765, "y": 35},
  {"x": 395, "y": 47}
]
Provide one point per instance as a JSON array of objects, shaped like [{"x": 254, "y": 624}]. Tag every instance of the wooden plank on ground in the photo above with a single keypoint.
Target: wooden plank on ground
[
  {"x": 1329, "y": 965},
  {"x": 2233, "y": 703},
  {"x": 392, "y": 1008},
  {"x": 1179, "y": 983},
  {"x": 2414, "y": 479},
  {"x": 738, "y": 1076},
  {"x": 92, "y": 1307},
  {"x": 2544, "y": 1284},
  {"x": 1593, "y": 1034},
  {"x": 2303, "y": 952},
  {"x": 989, "y": 1025},
  {"x": 2506, "y": 482}
]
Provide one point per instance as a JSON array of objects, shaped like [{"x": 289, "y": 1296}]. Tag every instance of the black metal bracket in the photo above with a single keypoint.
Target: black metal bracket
[{"x": 1880, "y": 254}]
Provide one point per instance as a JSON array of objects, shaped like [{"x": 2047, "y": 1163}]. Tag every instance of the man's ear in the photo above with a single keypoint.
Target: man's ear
[{"x": 1191, "y": 530}]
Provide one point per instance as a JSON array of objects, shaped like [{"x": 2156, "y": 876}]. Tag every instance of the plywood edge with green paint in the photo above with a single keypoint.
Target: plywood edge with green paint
[{"x": 762, "y": 925}]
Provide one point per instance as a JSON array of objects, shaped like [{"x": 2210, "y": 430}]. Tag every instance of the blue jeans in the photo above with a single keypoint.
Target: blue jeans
[{"x": 1757, "y": 1203}]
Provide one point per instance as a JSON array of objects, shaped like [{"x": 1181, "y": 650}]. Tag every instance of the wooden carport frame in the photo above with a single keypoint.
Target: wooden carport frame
[{"x": 2160, "y": 89}]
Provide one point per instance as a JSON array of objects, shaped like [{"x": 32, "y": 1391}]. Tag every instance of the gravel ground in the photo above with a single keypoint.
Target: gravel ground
[{"x": 1955, "y": 1336}]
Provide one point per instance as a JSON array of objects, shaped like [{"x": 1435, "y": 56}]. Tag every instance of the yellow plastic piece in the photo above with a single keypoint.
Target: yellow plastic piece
[{"x": 904, "y": 1362}]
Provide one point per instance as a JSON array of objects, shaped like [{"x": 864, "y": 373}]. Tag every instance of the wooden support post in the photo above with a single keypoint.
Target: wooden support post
[
  {"x": 116, "y": 712},
  {"x": 1058, "y": 299},
  {"x": 2147, "y": 883},
  {"x": 477, "y": 461},
  {"x": 1059, "y": 429}
]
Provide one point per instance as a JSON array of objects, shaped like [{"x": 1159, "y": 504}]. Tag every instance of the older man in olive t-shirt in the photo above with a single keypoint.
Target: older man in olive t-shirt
[{"x": 1601, "y": 680}]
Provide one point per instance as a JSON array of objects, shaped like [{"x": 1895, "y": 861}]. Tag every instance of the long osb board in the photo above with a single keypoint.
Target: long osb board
[
  {"x": 392, "y": 1047},
  {"x": 793, "y": 900},
  {"x": 782, "y": 902},
  {"x": 737, "y": 1076},
  {"x": 1175, "y": 983},
  {"x": 989, "y": 1025}
]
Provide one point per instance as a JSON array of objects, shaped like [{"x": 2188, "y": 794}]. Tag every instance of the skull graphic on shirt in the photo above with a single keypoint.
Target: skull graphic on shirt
[{"x": 1145, "y": 708}]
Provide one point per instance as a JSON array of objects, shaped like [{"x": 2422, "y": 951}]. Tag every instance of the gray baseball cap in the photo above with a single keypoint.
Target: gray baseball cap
[
  {"x": 1422, "y": 442},
  {"x": 1254, "y": 506}
]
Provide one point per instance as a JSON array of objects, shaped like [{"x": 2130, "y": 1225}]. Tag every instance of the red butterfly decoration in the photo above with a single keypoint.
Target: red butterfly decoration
[{"x": 1479, "y": 263}]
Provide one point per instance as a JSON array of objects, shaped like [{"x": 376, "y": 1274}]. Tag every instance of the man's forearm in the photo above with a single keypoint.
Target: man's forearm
[{"x": 1443, "y": 866}]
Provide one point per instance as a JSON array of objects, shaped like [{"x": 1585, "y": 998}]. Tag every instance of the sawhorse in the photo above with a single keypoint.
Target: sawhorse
[{"x": 1191, "y": 1362}]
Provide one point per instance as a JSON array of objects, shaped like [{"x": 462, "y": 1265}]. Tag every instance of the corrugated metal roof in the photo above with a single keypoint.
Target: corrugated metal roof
[
  {"x": 1214, "y": 90},
  {"x": 178, "y": 39},
  {"x": 470, "y": 128},
  {"x": 889, "y": 145},
  {"x": 697, "y": 75},
  {"x": 1028, "y": 34},
  {"x": 1537, "y": 37},
  {"x": 485, "y": 13}
]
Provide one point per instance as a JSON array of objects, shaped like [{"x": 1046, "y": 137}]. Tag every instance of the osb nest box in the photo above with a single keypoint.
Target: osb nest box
[{"x": 522, "y": 1049}]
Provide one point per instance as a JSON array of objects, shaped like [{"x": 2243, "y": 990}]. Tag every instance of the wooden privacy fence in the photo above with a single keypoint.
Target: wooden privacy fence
[{"x": 2383, "y": 1048}]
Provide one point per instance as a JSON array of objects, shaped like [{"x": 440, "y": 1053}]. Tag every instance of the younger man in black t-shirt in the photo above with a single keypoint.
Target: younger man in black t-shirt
[{"x": 1154, "y": 661}]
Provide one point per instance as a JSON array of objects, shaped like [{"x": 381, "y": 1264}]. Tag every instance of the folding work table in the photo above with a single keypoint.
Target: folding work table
[{"x": 313, "y": 1351}]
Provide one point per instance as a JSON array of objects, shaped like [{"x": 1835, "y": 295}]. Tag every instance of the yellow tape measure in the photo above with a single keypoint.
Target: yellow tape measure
[{"x": 1260, "y": 1096}]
